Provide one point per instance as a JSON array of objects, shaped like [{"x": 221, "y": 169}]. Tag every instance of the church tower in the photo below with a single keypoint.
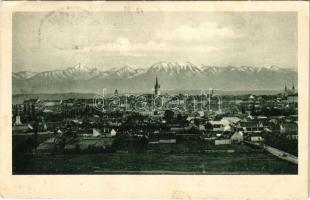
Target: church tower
[{"x": 156, "y": 88}]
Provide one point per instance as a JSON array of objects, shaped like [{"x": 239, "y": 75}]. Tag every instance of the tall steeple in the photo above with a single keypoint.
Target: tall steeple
[
  {"x": 156, "y": 88},
  {"x": 116, "y": 92}
]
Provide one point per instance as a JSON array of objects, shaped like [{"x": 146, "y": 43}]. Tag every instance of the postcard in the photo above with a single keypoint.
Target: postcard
[{"x": 166, "y": 100}]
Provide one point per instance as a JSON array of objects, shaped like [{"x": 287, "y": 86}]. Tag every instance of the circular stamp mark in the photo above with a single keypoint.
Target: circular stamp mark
[{"x": 62, "y": 29}]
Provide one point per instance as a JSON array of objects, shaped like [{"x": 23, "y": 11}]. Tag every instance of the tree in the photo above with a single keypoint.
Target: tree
[
  {"x": 209, "y": 126},
  {"x": 169, "y": 115}
]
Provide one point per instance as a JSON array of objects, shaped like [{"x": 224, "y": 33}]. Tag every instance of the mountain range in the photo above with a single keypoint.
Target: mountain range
[{"x": 171, "y": 76}]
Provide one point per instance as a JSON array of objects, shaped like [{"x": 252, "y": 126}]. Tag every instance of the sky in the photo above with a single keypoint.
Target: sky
[{"x": 57, "y": 40}]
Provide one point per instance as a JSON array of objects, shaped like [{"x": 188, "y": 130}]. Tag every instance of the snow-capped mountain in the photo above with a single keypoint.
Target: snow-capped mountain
[
  {"x": 174, "y": 68},
  {"x": 172, "y": 76},
  {"x": 78, "y": 72},
  {"x": 215, "y": 69},
  {"x": 243, "y": 69},
  {"x": 123, "y": 72},
  {"x": 211, "y": 69},
  {"x": 24, "y": 74}
]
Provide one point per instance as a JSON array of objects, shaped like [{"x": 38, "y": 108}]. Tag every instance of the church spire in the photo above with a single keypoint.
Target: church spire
[
  {"x": 116, "y": 92},
  {"x": 156, "y": 84},
  {"x": 156, "y": 87}
]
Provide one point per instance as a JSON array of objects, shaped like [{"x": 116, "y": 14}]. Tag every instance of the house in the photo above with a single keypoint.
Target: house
[
  {"x": 262, "y": 118},
  {"x": 292, "y": 137},
  {"x": 147, "y": 113},
  {"x": 166, "y": 137},
  {"x": 256, "y": 139},
  {"x": 68, "y": 102},
  {"x": 252, "y": 126},
  {"x": 22, "y": 128},
  {"x": 289, "y": 128},
  {"x": 230, "y": 120},
  {"x": 230, "y": 123},
  {"x": 292, "y": 98},
  {"x": 252, "y": 98},
  {"x": 201, "y": 113},
  {"x": 217, "y": 125},
  {"x": 222, "y": 142},
  {"x": 48, "y": 111},
  {"x": 51, "y": 103},
  {"x": 228, "y": 128},
  {"x": 237, "y": 137},
  {"x": 113, "y": 132},
  {"x": 202, "y": 127},
  {"x": 17, "y": 120},
  {"x": 96, "y": 132}
]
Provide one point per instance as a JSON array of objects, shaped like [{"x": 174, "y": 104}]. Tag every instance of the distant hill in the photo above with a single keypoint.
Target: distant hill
[
  {"x": 171, "y": 75},
  {"x": 20, "y": 98}
]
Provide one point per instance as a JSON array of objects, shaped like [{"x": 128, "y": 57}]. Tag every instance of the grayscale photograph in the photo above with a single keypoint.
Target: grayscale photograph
[{"x": 154, "y": 92}]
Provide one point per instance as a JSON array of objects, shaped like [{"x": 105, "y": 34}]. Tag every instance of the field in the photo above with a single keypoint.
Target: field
[{"x": 238, "y": 162}]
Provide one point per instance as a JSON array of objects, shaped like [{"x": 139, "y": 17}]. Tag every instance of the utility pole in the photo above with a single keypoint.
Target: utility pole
[
  {"x": 210, "y": 89},
  {"x": 153, "y": 99},
  {"x": 219, "y": 104},
  {"x": 103, "y": 90}
]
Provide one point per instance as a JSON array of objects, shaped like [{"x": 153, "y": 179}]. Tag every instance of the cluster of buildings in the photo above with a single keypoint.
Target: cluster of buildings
[{"x": 184, "y": 121}]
